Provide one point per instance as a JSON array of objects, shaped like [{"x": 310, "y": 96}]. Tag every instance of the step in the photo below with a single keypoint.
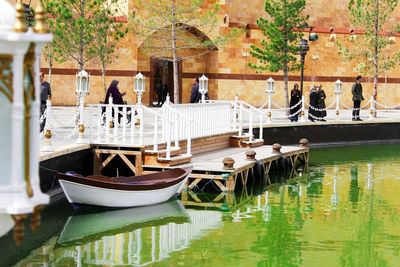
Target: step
[
  {"x": 175, "y": 160},
  {"x": 163, "y": 152},
  {"x": 235, "y": 140},
  {"x": 254, "y": 143}
]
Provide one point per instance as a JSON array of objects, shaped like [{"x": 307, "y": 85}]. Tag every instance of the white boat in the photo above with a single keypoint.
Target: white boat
[{"x": 123, "y": 191}]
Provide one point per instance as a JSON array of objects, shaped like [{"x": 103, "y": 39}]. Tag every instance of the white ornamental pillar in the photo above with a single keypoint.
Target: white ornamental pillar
[
  {"x": 338, "y": 92},
  {"x": 270, "y": 89}
]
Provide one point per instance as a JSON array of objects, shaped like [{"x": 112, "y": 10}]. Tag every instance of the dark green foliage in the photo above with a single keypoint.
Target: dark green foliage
[{"x": 279, "y": 50}]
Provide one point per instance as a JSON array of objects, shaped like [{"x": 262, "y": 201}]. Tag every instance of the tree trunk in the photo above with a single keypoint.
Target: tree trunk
[
  {"x": 103, "y": 76},
  {"x": 174, "y": 56},
  {"x": 376, "y": 53},
  {"x": 286, "y": 88},
  {"x": 49, "y": 74},
  {"x": 81, "y": 33}
]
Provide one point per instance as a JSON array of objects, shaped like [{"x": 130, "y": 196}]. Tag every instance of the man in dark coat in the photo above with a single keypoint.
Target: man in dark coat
[
  {"x": 45, "y": 93},
  {"x": 313, "y": 114},
  {"x": 195, "y": 91},
  {"x": 356, "y": 90}
]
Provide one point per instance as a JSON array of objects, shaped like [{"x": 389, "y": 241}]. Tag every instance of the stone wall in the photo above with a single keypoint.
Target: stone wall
[{"x": 227, "y": 67}]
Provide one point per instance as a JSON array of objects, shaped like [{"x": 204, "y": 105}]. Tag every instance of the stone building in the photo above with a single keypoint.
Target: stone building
[{"x": 227, "y": 67}]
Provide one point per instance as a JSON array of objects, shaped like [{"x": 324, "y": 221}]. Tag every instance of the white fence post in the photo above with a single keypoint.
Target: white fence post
[
  {"x": 48, "y": 147},
  {"x": 250, "y": 125},
  {"x": 337, "y": 107},
  {"x": 155, "y": 141},
  {"x": 372, "y": 109},
  {"x": 108, "y": 118},
  {"x": 302, "y": 112},
  {"x": 124, "y": 122},
  {"x": 240, "y": 119},
  {"x": 269, "y": 114}
]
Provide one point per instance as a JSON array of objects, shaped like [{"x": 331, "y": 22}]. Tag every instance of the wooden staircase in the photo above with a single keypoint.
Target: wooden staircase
[{"x": 199, "y": 145}]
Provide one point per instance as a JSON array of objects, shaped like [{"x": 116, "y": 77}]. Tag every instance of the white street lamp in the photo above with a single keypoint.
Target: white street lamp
[
  {"x": 270, "y": 90},
  {"x": 139, "y": 81},
  {"x": 139, "y": 86},
  {"x": 338, "y": 92},
  {"x": 82, "y": 82},
  {"x": 203, "y": 87},
  {"x": 82, "y": 89}
]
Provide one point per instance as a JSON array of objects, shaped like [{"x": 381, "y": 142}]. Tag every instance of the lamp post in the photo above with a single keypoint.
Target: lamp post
[
  {"x": 303, "y": 48},
  {"x": 139, "y": 90},
  {"x": 203, "y": 87},
  {"x": 139, "y": 87},
  {"x": 270, "y": 90},
  {"x": 82, "y": 89},
  {"x": 338, "y": 92}
]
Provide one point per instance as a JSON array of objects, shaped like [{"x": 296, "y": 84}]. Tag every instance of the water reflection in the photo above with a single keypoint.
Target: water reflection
[
  {"x": 135, "y": 237},
  {"x": 338, "y": 215},
  {"x": 354, "y": 190}
]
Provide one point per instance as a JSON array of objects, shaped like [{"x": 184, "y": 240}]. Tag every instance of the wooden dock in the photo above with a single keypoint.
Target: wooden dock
[
  {"x": 209, "y": 166},
  {"x": 223, "y": 160}
]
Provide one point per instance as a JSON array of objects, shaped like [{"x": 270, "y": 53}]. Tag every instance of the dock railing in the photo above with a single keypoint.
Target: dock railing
[
  {"x": 124, "y": 125},
  {"x": 206, "y": 118},
  {"x": 236, "y": 118}
]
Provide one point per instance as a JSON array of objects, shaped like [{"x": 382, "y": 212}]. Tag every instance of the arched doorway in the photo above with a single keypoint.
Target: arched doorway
[
  {"x": 160, "y": 67},
  {"x": 161, "y": 74}
]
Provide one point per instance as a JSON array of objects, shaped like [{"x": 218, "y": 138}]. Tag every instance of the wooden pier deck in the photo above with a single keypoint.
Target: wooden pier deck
[{"x": 209, "y": 166}]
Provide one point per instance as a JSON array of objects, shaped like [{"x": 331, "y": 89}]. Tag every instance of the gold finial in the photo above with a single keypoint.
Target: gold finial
[
  {"x": 20, "y": 24},
  {"x": 40, "y": 19}
]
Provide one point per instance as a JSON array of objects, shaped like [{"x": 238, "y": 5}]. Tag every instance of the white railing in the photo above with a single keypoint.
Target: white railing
[
  {"x": 236, "y": 118},
  {"x": 207, "y": 118},
  {"x": 124, "y": 125}
]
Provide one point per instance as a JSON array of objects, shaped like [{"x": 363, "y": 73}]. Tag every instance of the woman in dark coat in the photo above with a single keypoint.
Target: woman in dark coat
[
  {"x": 312, "y": 113},
  {"x": 114, "y": 92},
  {"x": 321, "y": 102},
  {"x": 294, "y": 99},
  {"x": 116, "y": 95}
]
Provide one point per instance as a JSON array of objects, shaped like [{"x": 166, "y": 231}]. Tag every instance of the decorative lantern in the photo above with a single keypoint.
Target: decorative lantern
[
  {"x": 270, "y": 89},
  {"x": 82, "y": 82},
  {"x": 203, "y": 86},
  {"x": 139, "y": 84},
  {"x": 338, "y": 87}
]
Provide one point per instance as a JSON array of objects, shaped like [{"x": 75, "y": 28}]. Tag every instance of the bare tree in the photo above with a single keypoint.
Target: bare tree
[{"x": 175, "y": 30}]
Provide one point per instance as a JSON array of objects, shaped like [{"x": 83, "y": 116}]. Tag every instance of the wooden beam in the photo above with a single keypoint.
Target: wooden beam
[
  {"x": 107, "y": 161},
  {"x": 114, "y": 151},
  {"x": 220, "y": 185},
  {"x": 129, "y": 163},
  {"x": 194, "y": 183}
]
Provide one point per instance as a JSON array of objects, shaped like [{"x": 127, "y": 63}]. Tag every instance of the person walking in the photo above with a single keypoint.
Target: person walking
[
  {"x": 45, "y": 93},
  {"x": 160, "y": 93},
  {"x": 295, "y": 97},
  {"x": 356, "y": 90},
  {"x": 195, "y": 91},
  {"x": 321, "y": 102},
  {"x": 312, "y": 113},
  {"x": 116, "y": 95},
  {"x": 114, "y": 92}
]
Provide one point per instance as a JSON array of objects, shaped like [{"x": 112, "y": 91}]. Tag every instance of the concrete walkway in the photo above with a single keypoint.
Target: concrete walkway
[{"x": 64, "y": 137}]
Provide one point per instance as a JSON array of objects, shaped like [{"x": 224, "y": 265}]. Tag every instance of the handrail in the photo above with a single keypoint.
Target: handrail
[{"x": 178, "y": 119}]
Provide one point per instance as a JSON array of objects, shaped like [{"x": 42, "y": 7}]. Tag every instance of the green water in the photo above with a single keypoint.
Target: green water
[{"x": 344, "y": 212}]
